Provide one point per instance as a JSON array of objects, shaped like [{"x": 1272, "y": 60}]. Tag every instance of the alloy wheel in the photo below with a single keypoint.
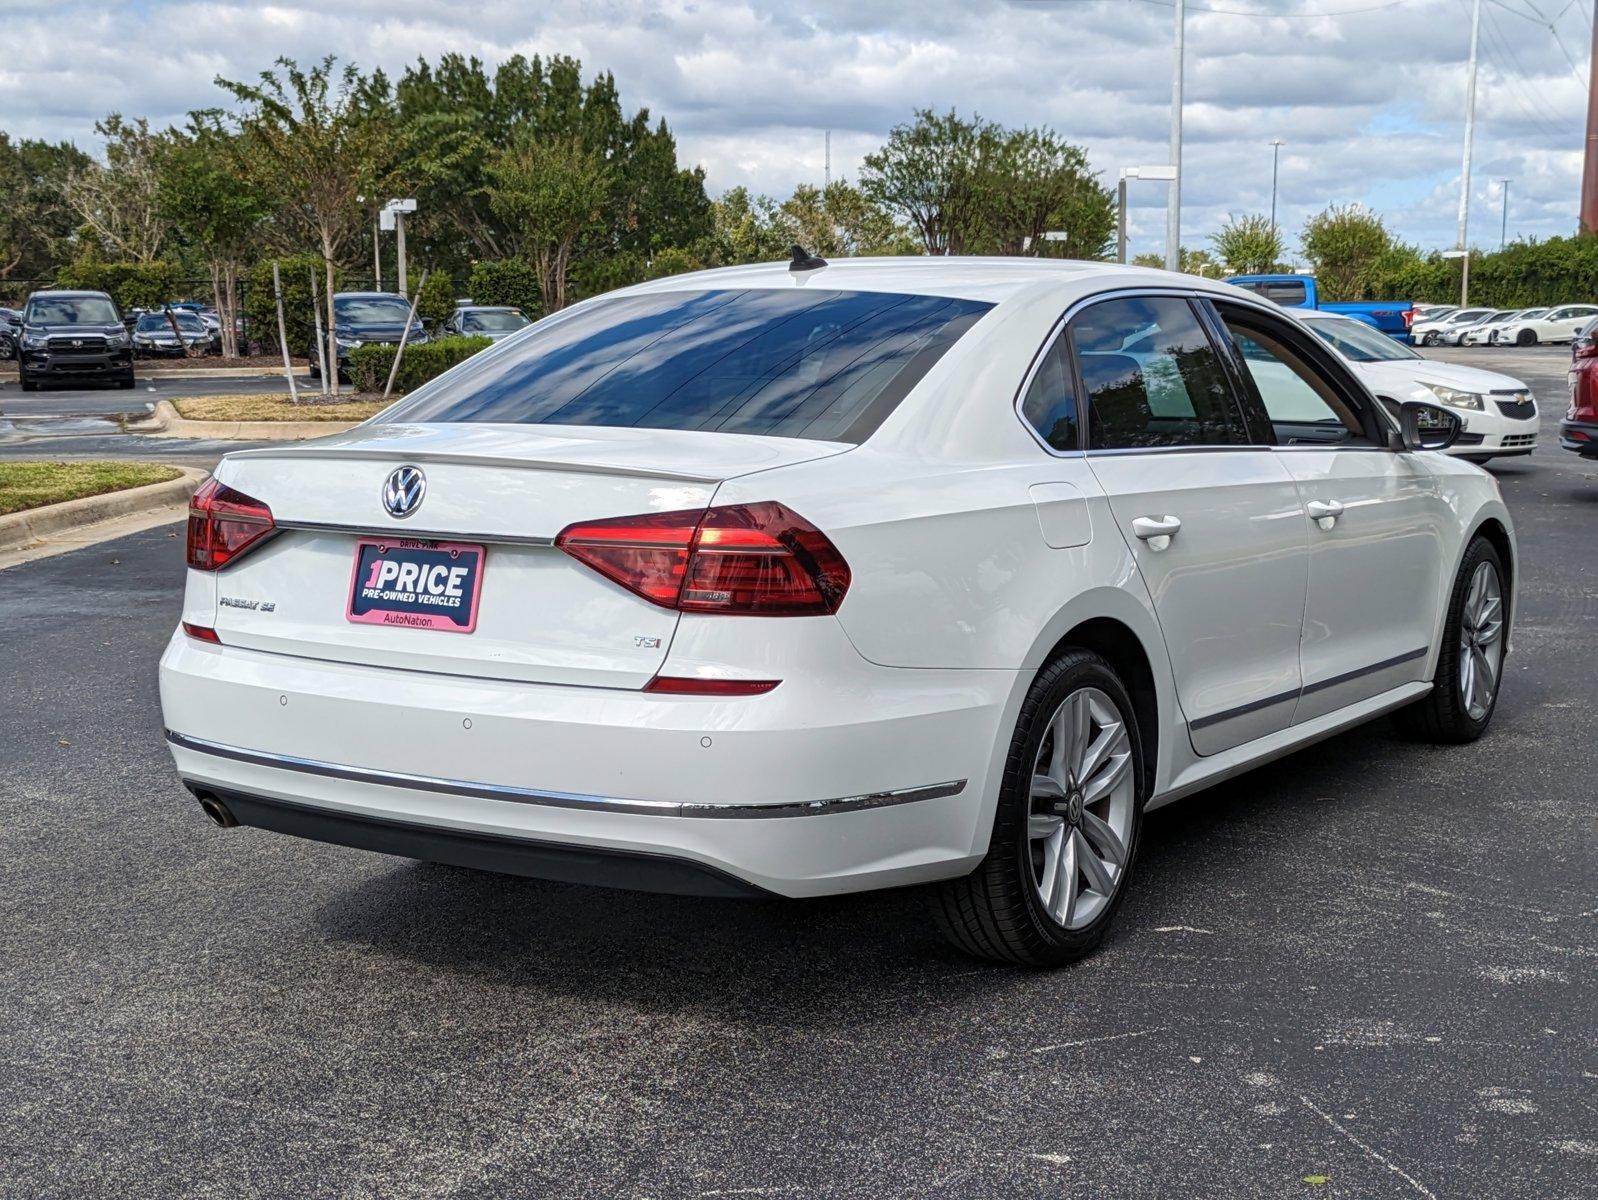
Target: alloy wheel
[
  {"x": 1481, "y": 641},
  {"x": 1084, "y": 792}
]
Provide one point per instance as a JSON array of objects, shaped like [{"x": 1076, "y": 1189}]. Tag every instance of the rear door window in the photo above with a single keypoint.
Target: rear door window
[
  {"x": 1152, "y": 377},
  {"x": 805, "y": 362}
]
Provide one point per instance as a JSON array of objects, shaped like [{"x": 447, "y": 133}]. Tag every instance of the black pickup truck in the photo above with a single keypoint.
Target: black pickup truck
[{"x": 73, "y": 335}]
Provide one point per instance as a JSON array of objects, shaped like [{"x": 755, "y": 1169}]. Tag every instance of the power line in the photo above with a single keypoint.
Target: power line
[
  {"x": 1539, "y": 19},
  {"x": 1237, "y": 12},
  {"x": 1519, "y": 85}
]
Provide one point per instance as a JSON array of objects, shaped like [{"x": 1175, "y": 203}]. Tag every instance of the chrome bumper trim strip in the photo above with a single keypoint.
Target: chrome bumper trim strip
[{"x": 578, "y": 800}]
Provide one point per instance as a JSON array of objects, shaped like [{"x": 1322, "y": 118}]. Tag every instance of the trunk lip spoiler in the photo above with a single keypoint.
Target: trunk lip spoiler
[
  {"x": 401, "y": 454},
  {"x": 554, "y": 799},
  {"x": 420, "y": 535}
]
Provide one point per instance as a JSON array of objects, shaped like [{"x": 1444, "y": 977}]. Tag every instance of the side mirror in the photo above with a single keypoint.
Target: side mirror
[{"x": 1428, "y": 426}]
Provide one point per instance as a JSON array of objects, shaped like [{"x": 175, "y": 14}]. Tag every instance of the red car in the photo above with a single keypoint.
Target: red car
[{"x": 1579, "y": 430}]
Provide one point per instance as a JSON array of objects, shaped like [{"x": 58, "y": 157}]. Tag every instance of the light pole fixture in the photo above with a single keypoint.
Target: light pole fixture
[
  {"x": 392, "y": 216},
  {"x": 1276, "y": 153},
  {"x": 1162, "y": 171}
]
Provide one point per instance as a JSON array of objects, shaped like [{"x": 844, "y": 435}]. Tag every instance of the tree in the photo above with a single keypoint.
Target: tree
[
  {"x": 214, "y": 210},
  {"x": 1038, "y": 183},
  {"x": 36, "y": 223},
  {"x": 1248, "y": 245},
  {"x": 1194, "y": 262},
  {"x": 554, "y": 192},
  {"x": 119, "y": 199},
  {"x": 508, "y": 281},
  {"x": 1345, "y": 244},
  {"x": 313, "y": 141},
  {"x": 835, "y": 222},
  {"x": 930, "y": 173}
]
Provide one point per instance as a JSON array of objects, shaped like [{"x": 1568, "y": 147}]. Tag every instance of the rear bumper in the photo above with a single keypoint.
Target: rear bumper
[
  {"x": 481, "y": 851},
  {"x": 1580, "y": 436},
  {"x": 871, "y": 777}
]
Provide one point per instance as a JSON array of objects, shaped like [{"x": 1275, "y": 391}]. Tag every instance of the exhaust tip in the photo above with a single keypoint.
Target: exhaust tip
[{"x": 217, "y": 811}]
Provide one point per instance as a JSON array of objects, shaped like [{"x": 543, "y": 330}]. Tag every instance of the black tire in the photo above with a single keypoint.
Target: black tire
[
  {"x": 995, "y": 912},
  {"x": 1526, "y": 337},
  {"x": 1441, "y": 716},
  {"x": 126, "y": 381},
  {"x": 1429, "y": 339},
  {"x": 28, "y": 385}
]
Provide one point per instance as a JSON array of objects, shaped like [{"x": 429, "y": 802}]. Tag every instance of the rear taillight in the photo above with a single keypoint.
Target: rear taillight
[
  {"x": 743, "y": 559},
  {"x": 1409, "y": 318},
  {"x": 223, "y": 524},
  {"x": 1584, "y": 347},
  {"x": 201, "y": 633}
]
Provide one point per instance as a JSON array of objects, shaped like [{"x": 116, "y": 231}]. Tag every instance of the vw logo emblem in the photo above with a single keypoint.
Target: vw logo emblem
[
  {"x": 77, "y": 341},
  {"x": 403, "y": 491}
]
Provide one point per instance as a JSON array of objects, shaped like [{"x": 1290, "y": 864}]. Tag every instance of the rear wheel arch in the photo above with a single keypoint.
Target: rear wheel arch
[{"x": 1120, "y": 646}]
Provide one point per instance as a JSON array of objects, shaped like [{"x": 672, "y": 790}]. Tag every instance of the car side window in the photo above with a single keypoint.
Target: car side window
[
  {"x": 1049, "y": 405},
  {"x": 1304, "y": 405},
  {"x": 1152, "y": 377}
]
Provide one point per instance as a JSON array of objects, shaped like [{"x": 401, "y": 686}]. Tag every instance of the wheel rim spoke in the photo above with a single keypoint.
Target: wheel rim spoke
[
  {"x": 1061, "y": 899},
  {"x": 1093, "y": 869},
  {"x": 1110, "y": 778},
  {"x": 1103, "y": 839}
]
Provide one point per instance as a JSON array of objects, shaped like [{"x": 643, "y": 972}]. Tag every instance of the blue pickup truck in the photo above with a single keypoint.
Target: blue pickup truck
[{"x": 1392, "y": 317}]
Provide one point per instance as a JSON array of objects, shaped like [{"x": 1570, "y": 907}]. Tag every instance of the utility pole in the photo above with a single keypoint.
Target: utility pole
[
  {"x": 399, "y": 243},
  {"x": 1464, "y": 173},
  {"x": 1276, "y": 153},
  {"x": 1503, "y": 223},
  {"x": 1589, "y": 168},
  {"x": 1173, "y": 212}
]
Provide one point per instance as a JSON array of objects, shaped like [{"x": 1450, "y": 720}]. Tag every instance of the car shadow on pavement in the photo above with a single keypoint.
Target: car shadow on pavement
[{"x": 803, "y": 962}]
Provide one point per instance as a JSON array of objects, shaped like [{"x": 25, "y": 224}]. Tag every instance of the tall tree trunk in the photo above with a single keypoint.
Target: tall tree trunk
[{"x": 223, "y": 332}]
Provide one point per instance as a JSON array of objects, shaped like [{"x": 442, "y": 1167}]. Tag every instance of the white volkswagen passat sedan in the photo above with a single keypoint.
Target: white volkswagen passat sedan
[
  {"x": 1498, "y": 413},
  {"x": 816, "y": 580},
  {"x": 1559, "y": 324}
]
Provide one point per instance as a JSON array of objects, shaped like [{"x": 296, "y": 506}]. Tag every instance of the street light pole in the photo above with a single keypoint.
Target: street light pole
[
  {"x": 1503, "y": 224},
  {"x": 1120, "y": 219},
  {"x": 1276, "y": 152},
  {"x": 1464, "y": 173},
  {"x": 1173, "y": 212}
]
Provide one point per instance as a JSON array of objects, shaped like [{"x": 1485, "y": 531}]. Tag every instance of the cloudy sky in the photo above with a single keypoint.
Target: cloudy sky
[{"x": 1368, "y": 95}]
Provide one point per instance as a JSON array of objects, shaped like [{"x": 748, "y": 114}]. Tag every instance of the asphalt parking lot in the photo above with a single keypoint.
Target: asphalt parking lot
[{"x": 1365, "y": 970}]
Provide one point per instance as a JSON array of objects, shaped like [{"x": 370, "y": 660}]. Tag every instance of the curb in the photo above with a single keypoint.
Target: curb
[
  {"x": 196, "y": 373},
  {"x": 35, "y": 524},
  {"x": 164, "y": 420}
]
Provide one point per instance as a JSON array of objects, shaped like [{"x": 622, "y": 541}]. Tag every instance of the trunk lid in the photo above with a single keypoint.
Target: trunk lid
[{"x": 541, "y": 615}]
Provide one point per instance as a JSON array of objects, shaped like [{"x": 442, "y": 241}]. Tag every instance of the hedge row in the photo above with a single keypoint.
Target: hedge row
[
  {"x": 1560, "y": 270},
  {"x": 369, "y": 365}
]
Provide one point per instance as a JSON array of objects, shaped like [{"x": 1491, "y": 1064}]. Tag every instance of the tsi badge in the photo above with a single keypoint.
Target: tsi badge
[{"x": 403, "y": 491}]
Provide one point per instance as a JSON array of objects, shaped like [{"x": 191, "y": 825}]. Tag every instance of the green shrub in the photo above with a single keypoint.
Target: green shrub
[
  {"x": 506, "y": 281},
  {"x": 260, "y": 310},
  {"x": 369, "y": 365},
  {"x": 437, "y": 300}
]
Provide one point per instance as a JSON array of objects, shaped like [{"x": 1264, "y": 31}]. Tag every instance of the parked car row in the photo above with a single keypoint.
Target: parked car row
[
  {"x": 379, "y": 319},
  {"x": 1444, "y": 326}
]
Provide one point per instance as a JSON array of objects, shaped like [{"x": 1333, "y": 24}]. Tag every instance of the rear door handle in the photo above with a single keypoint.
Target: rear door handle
[
  {"x": 1324, "y": 512},
  {"x": 1156, "y": 531}
]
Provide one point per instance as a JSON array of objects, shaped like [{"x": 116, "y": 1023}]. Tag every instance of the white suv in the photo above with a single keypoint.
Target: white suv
[{"x": 805, "y": 579}]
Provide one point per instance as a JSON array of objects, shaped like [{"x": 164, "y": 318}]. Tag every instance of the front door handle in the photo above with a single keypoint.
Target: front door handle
[
  {"x": 1156, "y": 531},
  {"x": 1324, "y": 512}
]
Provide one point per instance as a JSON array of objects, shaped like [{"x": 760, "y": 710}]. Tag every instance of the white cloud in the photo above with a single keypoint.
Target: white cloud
[{"x": 1370, "y": 103}]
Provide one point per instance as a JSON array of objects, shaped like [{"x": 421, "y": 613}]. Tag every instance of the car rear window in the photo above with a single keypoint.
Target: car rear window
[{"x": 806, "y": 363}]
